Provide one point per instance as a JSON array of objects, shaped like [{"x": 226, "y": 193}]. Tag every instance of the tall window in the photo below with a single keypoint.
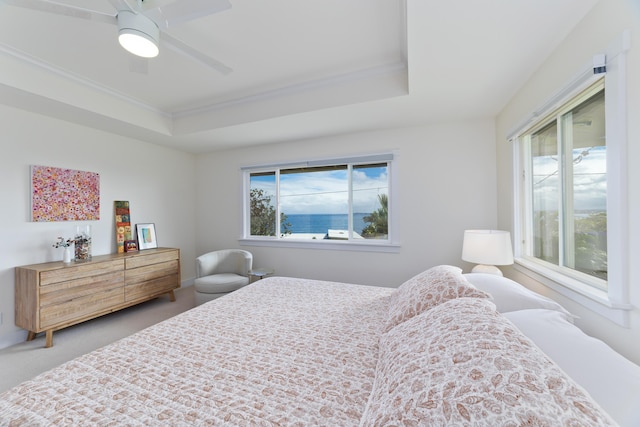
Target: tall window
[
  {"x": 566, "y": 188},
  {"x": 341, "y": 200},
  {"x": 571, "y": 188}
]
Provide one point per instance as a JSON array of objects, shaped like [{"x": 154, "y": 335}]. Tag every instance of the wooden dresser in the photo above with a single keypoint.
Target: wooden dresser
[{"x": 53, "y": 295}]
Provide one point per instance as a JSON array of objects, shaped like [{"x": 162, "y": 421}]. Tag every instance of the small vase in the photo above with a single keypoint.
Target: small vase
[{"x": 66, "y": 256}]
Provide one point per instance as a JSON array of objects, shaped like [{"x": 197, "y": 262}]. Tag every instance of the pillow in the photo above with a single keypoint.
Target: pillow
[
  {"x": 612, "y": 380},
  {"x": 462, "y": 363},
  {"x": 426, "y": 290},
  {"x": 508, "y": 295}
]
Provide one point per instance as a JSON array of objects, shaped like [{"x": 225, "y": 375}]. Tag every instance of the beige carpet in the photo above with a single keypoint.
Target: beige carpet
[{"x": 28, "y": 359}]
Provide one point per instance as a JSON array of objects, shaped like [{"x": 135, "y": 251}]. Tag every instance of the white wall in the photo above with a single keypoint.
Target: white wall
[
  {"x": 446, "y": 180},
  {"x": 446, "y": 184},
  {"x": 158, "y": 182},
  {"x": 604, "y": 24}
]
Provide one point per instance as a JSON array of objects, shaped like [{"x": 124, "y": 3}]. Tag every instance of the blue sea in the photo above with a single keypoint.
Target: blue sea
[{"x": 320, "y": 223}]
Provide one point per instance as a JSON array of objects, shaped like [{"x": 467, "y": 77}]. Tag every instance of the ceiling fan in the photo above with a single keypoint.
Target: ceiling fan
[{"x": 139, "y": 30}]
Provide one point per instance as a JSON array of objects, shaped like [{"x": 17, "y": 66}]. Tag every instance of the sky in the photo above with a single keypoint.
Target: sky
[
  {"x": 326, "y": 192},
  {"x": 590, "y": 180}
]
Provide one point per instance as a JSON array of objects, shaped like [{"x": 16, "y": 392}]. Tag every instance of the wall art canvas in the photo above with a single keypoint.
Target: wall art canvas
[
  {"x": 123, "y": 224},
  {"x": 64, "y": 194}
]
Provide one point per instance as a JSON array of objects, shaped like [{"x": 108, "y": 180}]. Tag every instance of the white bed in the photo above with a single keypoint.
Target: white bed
[{"x": 298, "y": 352}]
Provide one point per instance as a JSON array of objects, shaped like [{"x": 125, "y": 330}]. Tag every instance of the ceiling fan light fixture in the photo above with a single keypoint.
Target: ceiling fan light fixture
[{"x": 138, "y": 34}]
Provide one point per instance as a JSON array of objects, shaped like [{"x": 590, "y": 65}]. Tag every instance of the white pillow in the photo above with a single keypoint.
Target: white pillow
[
  {"x": 612, "y": 380},
  {"x": 508, "y": 295}
]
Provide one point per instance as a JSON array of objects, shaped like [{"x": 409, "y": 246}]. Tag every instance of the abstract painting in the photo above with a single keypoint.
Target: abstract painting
[{"x": 64, "y": 194}]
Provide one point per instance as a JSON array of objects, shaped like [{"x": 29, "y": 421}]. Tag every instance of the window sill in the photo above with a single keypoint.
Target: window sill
[
  {"x": 596, "y": 300},
  {"x": 333, "y": 245}
]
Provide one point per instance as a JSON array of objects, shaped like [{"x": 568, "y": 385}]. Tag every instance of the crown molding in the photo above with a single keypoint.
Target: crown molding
[
  {"x": 77, "y": 79},
  {"x": 341, "y": 79}
]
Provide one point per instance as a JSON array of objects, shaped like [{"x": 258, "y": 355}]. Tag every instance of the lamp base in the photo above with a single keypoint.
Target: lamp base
[{"x": 487, "y": 269}]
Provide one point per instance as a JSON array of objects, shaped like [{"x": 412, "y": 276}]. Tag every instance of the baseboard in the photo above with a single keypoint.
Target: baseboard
[{"x": 13, "y": 338}]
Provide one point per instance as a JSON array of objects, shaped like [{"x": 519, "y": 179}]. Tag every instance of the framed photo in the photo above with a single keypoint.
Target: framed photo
[
  {"x": 130, "y": 246},
  {"x": 146, "y": 236}
]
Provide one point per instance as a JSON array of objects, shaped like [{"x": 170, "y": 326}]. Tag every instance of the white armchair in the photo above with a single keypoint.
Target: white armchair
[{"x": 221, "y": 272}]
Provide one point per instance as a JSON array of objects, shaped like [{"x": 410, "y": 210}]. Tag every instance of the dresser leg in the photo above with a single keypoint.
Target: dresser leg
[
  {"x": 49, "y": 342},
  {"x": 172, "y": 296},
  {"x": 31, "y": 336}
]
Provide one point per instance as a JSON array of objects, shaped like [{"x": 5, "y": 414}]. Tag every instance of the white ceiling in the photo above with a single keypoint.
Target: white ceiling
[{"x": 301, "y": 68}]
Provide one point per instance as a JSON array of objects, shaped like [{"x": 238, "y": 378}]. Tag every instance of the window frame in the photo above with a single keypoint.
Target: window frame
[
  {"x": 612, "y": 302},
  {"x": 391, "y": 244},
  {"x": 556, "y": 117}
]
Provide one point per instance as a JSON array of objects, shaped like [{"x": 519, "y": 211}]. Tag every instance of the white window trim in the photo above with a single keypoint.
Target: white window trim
[
  {"x": 392, "y": 245},
  {"x": 321, "y": 244},
  {"x": 614, "y": 303}
]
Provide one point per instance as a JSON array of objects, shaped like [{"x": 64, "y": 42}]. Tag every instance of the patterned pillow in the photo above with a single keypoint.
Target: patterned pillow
[
  {"x": 426, "y": 290},
  {"x": 462, "y": 363}
]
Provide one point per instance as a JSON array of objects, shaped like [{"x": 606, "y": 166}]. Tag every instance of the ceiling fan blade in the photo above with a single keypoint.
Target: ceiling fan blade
[
  {"x": 182, "y": 11},
  {"x": 183, "y": 48},
  {"x": 63, "y": 9},
  {"x": 121, "y": 5}
]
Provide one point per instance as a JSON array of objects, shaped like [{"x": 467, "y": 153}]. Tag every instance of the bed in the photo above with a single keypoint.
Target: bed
[{"x": 295, "y": 352}]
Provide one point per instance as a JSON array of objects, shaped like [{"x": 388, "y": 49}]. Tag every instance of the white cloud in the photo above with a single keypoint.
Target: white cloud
[
  {"x": 589, "y": 181},
  {"x": 327, "y": 192}
]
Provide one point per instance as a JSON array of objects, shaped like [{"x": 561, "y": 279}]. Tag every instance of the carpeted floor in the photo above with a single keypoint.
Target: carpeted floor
[{"x": 28, "y": 359}]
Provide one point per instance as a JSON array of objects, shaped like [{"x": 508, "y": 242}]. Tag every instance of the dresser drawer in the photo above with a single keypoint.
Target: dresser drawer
[
  {"x": 151, "y": 279},
  {"x": 158, "y": 286},
  {"x": 149, "y": 272},
  {"x": 150, "y": 259},
  {"x": 70, "y": 290},
  {"x": 87, "y": 306},
  {"x": 79, "y": 271}
]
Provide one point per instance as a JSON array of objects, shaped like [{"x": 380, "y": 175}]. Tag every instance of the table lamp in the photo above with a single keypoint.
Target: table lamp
[{"x": 487, "y": 248}]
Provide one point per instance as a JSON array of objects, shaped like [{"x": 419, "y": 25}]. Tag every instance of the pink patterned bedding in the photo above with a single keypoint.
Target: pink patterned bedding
[
  {"x": 278, "y": 352},
  {"x": 296, "y": 352}
]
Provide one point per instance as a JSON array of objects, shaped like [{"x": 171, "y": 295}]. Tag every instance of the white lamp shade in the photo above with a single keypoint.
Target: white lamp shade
[
  {"x": 489, "y": 247},
  {"x": 138, "y": 34}
]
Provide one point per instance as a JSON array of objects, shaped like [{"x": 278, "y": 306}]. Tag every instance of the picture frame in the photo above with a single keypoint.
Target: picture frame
[
  {"x": 146, "y": 234},
  {"x": 130, "y": 246}
]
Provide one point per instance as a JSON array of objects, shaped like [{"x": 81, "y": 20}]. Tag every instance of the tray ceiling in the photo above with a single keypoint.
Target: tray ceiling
[{"x": 301, "y": 69}]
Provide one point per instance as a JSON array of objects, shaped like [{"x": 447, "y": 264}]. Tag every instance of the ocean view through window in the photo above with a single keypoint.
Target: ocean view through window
[
  {"x": 320, "y": 223},
  {"x": 344, "y": 200}
]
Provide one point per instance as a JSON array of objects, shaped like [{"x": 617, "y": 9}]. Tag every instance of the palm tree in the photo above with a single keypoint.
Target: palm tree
[{"x": 378, "y": 220}]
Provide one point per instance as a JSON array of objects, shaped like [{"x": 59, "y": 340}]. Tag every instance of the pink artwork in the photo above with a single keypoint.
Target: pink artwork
[{"x": 64, "y": 194}]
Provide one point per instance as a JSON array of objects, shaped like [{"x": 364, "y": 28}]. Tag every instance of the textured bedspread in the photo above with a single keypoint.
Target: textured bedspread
[
  {"x": 278, "y": 352},
  {"x": 296, "y": 352}
]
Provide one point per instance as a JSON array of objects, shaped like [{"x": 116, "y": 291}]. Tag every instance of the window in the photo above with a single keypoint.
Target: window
[
  {"x": 566, "y": 179},
  {"x": 343, "y": 201},
  {"x": 570, "y": 189}
]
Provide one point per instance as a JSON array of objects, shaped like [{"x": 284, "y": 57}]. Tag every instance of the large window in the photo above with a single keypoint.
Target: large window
[
  {"x": 566, "y": 180},
  {"x": 342, "y": 200}
]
